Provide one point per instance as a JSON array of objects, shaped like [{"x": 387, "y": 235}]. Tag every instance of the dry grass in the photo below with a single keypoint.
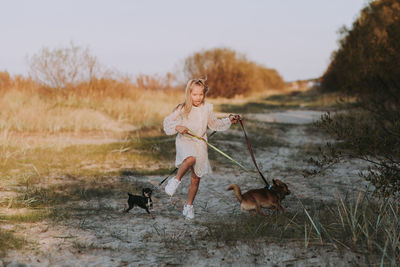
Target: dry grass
[
  {"x": 27, "y": 111},
  {"x": 362, "y": 224},
  {"x": 115, "y": 105},
  {"x": 20, "y": 165}
]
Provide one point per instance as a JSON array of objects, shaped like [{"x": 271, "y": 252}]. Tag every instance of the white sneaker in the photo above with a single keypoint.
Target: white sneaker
[
  {"x": 188, "y": 211},
  {"x": 171, "y": 187}
]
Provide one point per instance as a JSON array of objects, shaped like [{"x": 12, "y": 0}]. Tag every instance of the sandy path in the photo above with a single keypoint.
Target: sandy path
[
  {"x": 289, "y": 116},
  {"x": 98, "y": 234}
]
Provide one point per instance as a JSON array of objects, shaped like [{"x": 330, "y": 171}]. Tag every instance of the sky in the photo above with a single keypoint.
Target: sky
[{"x": 295, "y": 37}]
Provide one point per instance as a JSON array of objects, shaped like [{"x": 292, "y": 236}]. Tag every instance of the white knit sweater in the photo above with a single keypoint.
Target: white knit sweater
[{"x": 199, "y": 118}]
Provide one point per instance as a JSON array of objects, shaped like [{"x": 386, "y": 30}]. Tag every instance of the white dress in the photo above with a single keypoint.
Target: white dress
[{"x": 198, "y": 119}]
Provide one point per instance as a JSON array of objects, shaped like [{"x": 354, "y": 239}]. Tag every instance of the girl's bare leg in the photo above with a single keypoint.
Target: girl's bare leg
[
  {"x": 186, "y": 164},
  {"x": 194, "y": 186}
]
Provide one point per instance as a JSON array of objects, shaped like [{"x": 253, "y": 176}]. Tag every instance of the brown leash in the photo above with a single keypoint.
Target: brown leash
[{"x": 251, "y": 153}]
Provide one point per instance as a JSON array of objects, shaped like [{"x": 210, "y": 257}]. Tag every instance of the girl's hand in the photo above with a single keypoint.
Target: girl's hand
[
  {"x": 181, "y": 129},
  {"x": 234, "y": 118}
]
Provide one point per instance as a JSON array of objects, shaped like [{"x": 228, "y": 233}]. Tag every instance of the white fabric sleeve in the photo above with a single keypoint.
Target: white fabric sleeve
[
  {"x": 171, "y": 121},
  {"x": 217, "y": 124}
]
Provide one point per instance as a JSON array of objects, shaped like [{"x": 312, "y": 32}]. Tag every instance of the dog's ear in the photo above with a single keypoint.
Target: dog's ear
[
  {"x": 273, "y": 180},
  {"x": 143, "y": 192}
]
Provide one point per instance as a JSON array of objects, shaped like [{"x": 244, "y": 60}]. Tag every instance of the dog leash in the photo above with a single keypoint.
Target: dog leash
[
  {"x": 252, "y": 154},
  {"x": 160, "y": 183}
]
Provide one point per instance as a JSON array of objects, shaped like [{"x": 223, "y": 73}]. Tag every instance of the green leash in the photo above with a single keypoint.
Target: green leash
[{"x": 193, "y": 135}]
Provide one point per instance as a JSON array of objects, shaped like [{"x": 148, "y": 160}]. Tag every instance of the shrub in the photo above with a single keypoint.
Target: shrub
[
  {"x": 62, "y": 67},
  {"x": 229, "y": 73},
  {"x": 367, "y": 68}
]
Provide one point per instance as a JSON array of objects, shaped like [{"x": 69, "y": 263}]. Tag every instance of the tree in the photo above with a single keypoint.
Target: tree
[
  {"x": 366, "y": 68},
  {"x": 60, "y": 67}
]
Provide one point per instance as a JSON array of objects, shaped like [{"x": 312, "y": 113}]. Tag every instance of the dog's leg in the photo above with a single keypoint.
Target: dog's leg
[
  {"x": 125, "y": 208},
  {"x": 149, "y": 204},
  {"x": 281, "y": 208},
  {"x": 259, "y": 211},
  {"x": 253, "y": 212},
  {"x": 151, "y": 215},
  {"x": 130, "y": 207}
]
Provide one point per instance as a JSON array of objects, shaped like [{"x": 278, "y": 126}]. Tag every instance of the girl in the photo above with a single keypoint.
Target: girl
[{"x": 191, "y": 153}]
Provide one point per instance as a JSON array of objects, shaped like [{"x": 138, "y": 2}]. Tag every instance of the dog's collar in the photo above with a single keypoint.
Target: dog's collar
[{"x": 269, "y": 187}]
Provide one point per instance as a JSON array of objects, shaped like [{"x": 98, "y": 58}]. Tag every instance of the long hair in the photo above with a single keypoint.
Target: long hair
[{"x": 187, "y": 105}]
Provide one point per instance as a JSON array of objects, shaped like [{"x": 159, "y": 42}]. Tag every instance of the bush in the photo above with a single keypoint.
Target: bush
[
  {"x": 5, "y": 80},
  {"x": 367, "y": 68},
  {"x": 229, "y": 73},
  {"x": 362, "y": 137}
]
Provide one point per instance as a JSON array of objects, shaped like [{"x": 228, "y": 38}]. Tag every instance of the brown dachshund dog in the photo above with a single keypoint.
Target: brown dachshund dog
[{"x": 256, "y": 199}]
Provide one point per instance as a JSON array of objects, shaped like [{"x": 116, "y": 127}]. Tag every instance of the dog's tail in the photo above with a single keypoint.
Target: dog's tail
[{"x": 238, "y": 192}]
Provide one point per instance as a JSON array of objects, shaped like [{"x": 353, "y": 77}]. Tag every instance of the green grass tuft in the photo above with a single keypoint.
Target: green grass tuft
[{"x": 9, "y": 241}]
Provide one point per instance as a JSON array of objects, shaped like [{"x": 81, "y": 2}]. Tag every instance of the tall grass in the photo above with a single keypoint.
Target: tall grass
[
  {"x": 361, "y": 224},
  {"x": 364, "y": 225},
  {"x": 102, "y": 105}
]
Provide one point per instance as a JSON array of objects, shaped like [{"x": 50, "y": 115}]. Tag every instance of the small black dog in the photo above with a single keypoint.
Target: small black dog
[{"x": 144, "y": 201}]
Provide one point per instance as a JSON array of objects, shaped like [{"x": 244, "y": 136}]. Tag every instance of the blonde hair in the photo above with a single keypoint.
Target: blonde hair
[{"x": 186, "y": 106}]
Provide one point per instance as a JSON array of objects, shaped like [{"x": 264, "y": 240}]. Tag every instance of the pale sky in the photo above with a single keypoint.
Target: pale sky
[{"x": 296, "y": 37}]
